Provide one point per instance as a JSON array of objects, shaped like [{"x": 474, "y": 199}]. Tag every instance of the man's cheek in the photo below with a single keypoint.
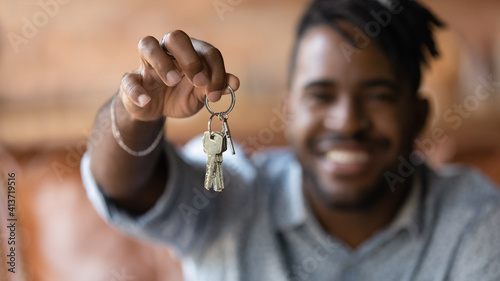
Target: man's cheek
[{"x": 302, "y": 126}]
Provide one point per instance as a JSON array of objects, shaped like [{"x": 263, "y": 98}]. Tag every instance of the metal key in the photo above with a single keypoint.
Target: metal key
[
  {"x": 214, "y": 143},
  {"x": 218, "y": 180}
]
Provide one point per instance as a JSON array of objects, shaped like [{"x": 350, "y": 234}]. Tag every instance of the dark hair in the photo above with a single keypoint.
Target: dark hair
[{"x": 403, "y": 29}]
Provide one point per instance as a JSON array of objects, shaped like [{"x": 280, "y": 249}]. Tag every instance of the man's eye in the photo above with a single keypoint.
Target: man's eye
[
  {"x": 320, "y": 96},
  {"x": 381, "y": 97}
]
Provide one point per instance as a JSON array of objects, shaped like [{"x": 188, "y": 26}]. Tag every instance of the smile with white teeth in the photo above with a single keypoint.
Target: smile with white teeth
[{"x": 347, "y": 156}]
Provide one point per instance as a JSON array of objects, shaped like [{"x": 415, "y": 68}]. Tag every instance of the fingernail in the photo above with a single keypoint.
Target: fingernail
[
  {"x": 143, "y": 99},
  {"x": 173, "y": 77},
  {"x": 200, "y": 79}
]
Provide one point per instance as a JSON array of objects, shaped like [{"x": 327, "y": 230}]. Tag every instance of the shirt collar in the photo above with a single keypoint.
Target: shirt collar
[
  {"x": 409, "y": 216},
  {"x": 290, "y": 210}
]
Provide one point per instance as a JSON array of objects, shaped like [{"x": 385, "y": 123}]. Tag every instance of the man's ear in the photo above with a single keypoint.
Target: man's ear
[{"x": 421, "y": 115}]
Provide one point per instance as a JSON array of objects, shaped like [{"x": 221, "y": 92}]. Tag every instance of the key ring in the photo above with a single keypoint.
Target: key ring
[
  {"x": 210, "y": 123},
  {"x": 233, "y": 100},
  {"x": 162, "y": 45},
  {"x": 221, "y": 118}
]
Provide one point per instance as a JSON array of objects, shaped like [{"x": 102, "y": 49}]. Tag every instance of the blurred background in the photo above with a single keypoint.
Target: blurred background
[{"x": 60, "y": 60}]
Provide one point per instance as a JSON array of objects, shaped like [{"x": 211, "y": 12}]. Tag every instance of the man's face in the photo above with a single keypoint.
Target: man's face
[{"x": 350, "y": 118}]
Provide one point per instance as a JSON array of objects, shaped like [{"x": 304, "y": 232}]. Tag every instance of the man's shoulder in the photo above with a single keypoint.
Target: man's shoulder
[
  {"x": 274, "y": 160},
  {"x": 466, "y": 188},
  {"x": 467, "y": 213}
]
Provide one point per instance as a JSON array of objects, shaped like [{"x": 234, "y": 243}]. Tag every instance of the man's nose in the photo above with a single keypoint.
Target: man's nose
[{"x": 346, "y": 117}]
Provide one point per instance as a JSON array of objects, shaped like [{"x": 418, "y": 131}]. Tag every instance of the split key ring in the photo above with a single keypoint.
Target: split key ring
[{"x": 225, "y": 113}]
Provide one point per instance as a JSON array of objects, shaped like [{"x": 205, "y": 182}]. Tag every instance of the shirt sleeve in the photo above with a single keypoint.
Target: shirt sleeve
[{"x": 186, "y": 216}]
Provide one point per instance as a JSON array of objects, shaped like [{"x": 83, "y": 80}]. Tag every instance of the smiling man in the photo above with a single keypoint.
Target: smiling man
[
  {"x": 322, "y": 209},
  {"x": 351, "y": 120}
]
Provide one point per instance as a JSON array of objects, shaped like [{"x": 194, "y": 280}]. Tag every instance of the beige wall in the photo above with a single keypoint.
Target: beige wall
[{"x": 52, "y": 85}]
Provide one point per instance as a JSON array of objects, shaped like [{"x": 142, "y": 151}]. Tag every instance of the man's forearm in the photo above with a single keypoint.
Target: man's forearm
[{"x": 132, "y": 182}]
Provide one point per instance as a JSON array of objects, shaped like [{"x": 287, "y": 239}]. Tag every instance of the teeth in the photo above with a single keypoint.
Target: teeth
[{"x": 347, "y": 157}]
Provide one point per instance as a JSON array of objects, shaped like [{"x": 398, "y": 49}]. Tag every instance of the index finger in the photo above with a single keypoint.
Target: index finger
[
  {"x": 180, "y": 46},
  {"x": 153, "y": 57}
]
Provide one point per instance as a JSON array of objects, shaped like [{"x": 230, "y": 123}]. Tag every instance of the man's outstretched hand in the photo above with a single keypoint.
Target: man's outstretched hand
[{"x": 174, "y": 88}]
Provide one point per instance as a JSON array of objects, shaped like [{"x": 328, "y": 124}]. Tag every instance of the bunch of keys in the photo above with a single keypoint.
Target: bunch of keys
[{"x": 214, "y": 144}]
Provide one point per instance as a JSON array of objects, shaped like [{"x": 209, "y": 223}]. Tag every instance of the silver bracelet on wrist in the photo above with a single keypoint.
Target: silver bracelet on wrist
[{"x": 119, "y": 139}]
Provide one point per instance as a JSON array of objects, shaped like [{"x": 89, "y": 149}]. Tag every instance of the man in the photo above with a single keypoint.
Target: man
[{"x": 335, "y": 206}]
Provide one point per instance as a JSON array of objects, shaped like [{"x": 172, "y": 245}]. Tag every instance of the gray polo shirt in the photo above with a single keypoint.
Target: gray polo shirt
[{"x": 261, "y": 228}]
